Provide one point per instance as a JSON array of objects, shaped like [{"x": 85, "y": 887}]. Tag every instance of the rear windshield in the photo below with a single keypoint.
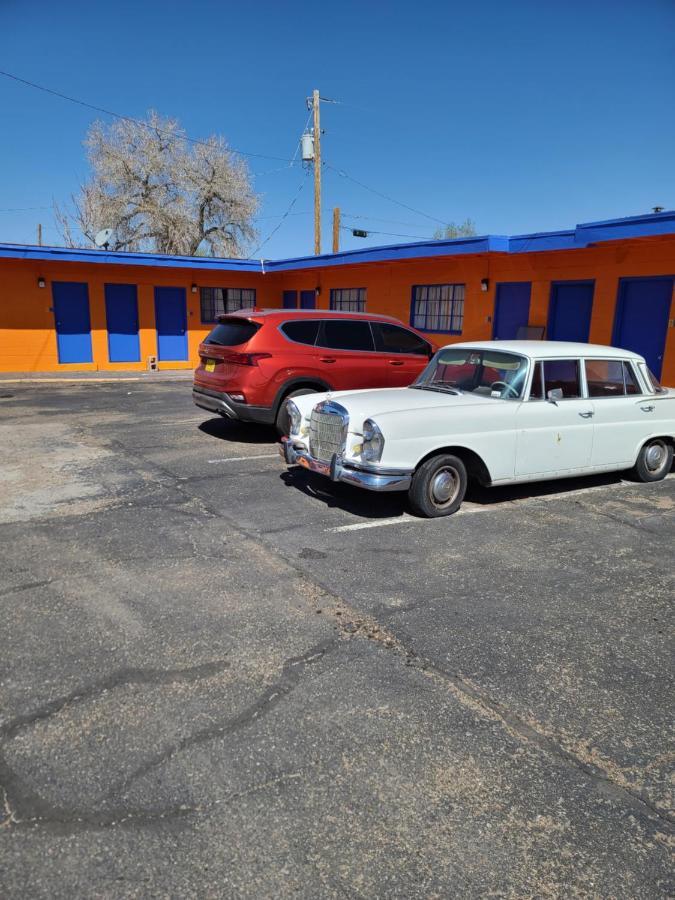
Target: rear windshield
[{"x": 232, "y": 332}]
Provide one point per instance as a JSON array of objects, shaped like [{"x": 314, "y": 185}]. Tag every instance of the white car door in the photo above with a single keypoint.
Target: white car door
[
  {"x": 554, "y": 435},
  {"x": 619, "y": 422}
]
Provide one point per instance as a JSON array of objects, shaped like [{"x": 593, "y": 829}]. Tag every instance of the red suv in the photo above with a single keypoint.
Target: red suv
[{"x": 254, "y": 359}]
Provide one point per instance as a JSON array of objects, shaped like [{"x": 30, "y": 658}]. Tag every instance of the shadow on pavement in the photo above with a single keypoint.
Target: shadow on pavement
[
  {"x": 238, "y": 432},
  {"x": 370, "y": 505}
]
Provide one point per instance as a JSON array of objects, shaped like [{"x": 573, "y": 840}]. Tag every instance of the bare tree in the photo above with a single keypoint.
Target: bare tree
[
  {"x": 467, "y": 228},
  {"x": 160, "y": 193}
]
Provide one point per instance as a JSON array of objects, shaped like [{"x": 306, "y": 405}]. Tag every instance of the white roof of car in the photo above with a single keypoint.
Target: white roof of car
[{"x": 550, "y": 349}]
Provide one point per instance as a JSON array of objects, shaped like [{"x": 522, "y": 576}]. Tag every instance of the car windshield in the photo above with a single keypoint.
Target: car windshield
[{"x": 486, "y": 373}]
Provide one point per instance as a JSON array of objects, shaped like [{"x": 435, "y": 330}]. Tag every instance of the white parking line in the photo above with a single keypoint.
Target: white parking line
[
  {"x": 244, "y": 458},
  {"x": 378, "y": 523}
]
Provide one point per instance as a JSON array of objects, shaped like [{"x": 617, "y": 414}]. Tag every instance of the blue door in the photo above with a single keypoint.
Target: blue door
[
  {"x": 641, "y": 319},
  {"x": 171, "y": 323},
  {"x": 290, "y": 300},
  {"x": 512, "y": 309},
  {"x": 307, "y": 299},
  {"x": 73, "y": 326},
  {"x": 121, "y": 315},
  {"x": 569, "y": 311}
]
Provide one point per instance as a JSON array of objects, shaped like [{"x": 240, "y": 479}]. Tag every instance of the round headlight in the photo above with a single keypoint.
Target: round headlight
[
  {"x": 294, "y": 417},
  {"x": 373, "y": 441}
]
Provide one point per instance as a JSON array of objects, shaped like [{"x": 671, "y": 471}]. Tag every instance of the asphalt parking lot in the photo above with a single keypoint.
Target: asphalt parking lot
[{"x": 222, "y": 679}]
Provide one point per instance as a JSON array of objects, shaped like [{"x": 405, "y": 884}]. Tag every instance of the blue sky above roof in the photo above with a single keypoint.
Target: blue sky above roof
[{"x": 520, "y": 114}]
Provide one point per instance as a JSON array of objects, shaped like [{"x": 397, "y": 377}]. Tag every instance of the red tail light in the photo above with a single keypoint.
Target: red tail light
[{"x": 245, "y": 359}]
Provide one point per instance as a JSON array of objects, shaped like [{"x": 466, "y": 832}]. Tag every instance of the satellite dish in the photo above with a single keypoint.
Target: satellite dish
[{"x": 104, "y": 237}]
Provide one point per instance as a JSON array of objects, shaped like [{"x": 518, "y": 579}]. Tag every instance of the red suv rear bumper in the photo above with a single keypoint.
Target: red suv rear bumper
[{"x": 221, "y": 403}]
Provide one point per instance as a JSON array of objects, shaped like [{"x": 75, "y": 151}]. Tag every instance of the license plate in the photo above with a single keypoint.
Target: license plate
[{"x": 210, "y": 365}]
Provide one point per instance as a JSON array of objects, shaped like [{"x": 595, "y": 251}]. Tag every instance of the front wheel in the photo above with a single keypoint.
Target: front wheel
[
  {"x": 282, "y": 423},
  {"x": 438, "y": 486},
  {"x": 654, "y": 461}
]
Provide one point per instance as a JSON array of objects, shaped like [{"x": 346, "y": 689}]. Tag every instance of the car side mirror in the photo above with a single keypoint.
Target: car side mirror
[{"x": 554, "y": 395}]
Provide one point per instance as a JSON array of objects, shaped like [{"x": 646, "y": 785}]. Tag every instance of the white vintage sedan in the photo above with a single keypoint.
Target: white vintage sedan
[{"x": 497, "y": 411}]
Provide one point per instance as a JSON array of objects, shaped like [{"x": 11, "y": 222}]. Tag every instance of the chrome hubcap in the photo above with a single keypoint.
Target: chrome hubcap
[
  {"x": 655, "y": 456},
  {"x": 444, "y": 486}
]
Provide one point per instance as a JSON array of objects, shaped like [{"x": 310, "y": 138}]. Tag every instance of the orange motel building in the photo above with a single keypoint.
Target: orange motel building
[{"x": 611, "y": 282}]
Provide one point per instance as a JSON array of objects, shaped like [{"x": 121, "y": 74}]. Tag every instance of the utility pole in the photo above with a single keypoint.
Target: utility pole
[
  {"x": 39, "y": 235},
  {"x": 336, "y": 230},
  {"x": 317, "y": 173}
]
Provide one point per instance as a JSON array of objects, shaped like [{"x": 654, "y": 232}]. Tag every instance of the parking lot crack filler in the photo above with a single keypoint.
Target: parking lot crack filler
[{"x": 23, "y": 807}]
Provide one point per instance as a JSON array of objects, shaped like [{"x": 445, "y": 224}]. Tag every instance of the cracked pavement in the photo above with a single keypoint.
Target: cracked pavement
[{"x": 223, "y": 679}]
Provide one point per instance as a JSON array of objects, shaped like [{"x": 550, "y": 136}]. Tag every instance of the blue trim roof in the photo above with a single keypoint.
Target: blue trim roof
[
  {"x": 582, "y": 236},
  {"x": 119, "y": 257}
]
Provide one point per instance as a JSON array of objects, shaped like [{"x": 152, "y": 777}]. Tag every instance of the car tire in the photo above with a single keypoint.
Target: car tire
[
  {"x": 281, "y": 422},
  {"x": 438, "y": 486},
  {"x": 654, "y": 460}
]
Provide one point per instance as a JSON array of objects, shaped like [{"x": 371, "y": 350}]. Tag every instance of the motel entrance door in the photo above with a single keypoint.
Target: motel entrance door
[
  {"x": 569, "y": 311},
  {"x": 512, "y": 309},
  {"x": 171, "y": 323},
  {"x": 73, "y": 325},
  {"x": 641, "y": 319}
]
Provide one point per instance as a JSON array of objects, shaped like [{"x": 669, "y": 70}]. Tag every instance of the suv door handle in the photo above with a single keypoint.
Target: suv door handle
[
  {"x": 587, "y": 415},
  {"x": 395, "y": 362},
  {"x": 646, "y": 408},
  {"x": 327, "y": 359}
]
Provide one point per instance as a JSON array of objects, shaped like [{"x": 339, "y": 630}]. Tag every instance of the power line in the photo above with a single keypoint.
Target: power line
[
  {"x": 23, "y": 208},
  {"x": 283, "y": 219},
  {"x": 116, "y": 115},
  {"x": 418, "y": 212},
  {"x": 375, "y": 219},
  {"x": 392, "y": 234}
]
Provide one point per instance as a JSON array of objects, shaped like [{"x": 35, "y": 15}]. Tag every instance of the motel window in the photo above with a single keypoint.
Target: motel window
[
  {"x": 438, "y": 307},
  {"x": 218, "y": 301},
  {"x": 348, "y": 299}
]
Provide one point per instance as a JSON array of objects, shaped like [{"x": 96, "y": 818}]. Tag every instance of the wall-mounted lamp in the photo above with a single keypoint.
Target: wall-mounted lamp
[
  {"x": 318, "y": 289},
  {"x": 41, "y": 282},
  {"x": 484, "y": 284},
  {"x": 193, "y": 288}
]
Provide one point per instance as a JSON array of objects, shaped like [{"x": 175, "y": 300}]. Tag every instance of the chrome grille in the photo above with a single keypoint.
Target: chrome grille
[{"x": 327, "y": 430}]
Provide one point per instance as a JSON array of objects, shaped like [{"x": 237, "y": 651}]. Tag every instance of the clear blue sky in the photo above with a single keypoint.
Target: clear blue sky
[{"x": 525, "y": 115}]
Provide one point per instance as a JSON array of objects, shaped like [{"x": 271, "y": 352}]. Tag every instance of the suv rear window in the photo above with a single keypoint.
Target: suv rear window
[
  {"x": 232, "y": 332},
  {"x": 346, "y": 334},
  {"x": 303, "y": 332}
]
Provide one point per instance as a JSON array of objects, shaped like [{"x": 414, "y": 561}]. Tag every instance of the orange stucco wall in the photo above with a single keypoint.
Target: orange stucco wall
[
  {"x": 27, "y": 331},
  {"x": 28, "y": 338}
]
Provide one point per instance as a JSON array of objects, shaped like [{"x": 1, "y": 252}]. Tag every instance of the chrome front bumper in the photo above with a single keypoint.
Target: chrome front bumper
[{"x": 370, "y": 478}]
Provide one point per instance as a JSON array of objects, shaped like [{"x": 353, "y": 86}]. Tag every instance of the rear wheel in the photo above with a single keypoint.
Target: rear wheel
[
  {"x": 282, "y": 423},
  {"x": 654, "y": 461},
  {"x": 438, "y": 486}
]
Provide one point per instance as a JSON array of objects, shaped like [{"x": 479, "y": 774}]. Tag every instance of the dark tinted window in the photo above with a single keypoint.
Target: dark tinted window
[
  {"x": 304, "y": 332},
  {"x": 341, "y": 334},
  {"x": 394, "y": 339},
  {"x": 232, "y": 332},
  {"x": 562, "y": 374}
]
